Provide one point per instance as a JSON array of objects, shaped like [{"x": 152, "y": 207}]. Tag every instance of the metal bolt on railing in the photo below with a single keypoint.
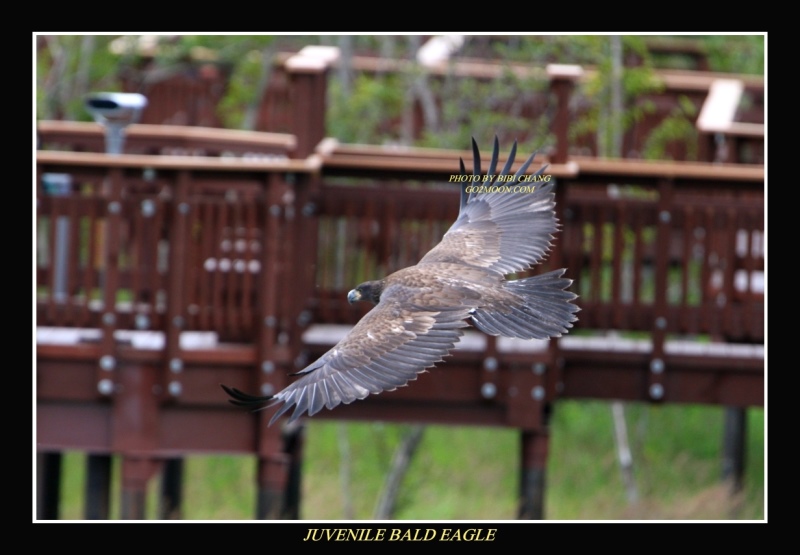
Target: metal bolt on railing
[
  {"x": 175, "y": 388},
  {"x": 108, "y": 363},
  {"x": 105, "y": 387},
  {"x": 656, "y": 366},
  {"x": 656, "y": 391}
]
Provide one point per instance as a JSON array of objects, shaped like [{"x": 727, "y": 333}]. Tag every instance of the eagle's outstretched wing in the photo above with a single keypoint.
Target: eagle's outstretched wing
[
  {"x": 410, "y": 330},
  {"x": 508, "y": 227}
]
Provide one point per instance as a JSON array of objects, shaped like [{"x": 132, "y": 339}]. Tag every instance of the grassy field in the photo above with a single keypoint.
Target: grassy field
[{"x": 461, "y": 473}]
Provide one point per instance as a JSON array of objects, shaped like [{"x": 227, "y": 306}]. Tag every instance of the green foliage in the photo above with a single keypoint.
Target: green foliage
[
  {"x": 677, "y": 462},
  {"x": 438, "y": 480},
  {"x": 485, "y": 108},
  {"x": 545, "y": 49},
  {"x": 597, "y": 91},
  {"x": 736, "y": 53},
  {"x": 245, "y": 58},
  {"x": 361, "y": 116},
  {"x": 69, "y": 66},
  {"x": 677, "y": 127},
  {"x": 249, "y": 66}
]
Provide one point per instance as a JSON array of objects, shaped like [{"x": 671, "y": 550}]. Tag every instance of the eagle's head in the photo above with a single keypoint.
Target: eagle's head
[{"x": 367, "y": 291}]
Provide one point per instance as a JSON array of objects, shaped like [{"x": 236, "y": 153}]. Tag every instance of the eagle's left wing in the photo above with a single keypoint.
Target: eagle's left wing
[{"x": 409, "y": 330}]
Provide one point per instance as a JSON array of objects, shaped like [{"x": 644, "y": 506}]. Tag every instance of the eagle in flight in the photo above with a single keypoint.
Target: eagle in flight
[{"x": 420, "y": 311}]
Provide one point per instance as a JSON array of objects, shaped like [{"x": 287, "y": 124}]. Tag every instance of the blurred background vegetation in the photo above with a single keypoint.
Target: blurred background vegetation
[
  {"x": 460, "y": 473},
  {"x": 362, "y": 105},
  {"x": 456, "y": 473}
]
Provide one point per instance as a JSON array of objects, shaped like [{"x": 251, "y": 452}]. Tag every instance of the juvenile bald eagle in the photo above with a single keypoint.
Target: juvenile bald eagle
[{"x": 420, "y": 311}]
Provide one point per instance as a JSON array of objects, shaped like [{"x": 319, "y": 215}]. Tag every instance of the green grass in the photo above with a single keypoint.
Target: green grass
[{"x": 472, "y": 473}]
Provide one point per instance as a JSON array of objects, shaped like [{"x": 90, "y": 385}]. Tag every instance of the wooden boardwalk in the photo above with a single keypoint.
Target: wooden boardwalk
[{"x": 161, "y": 276}]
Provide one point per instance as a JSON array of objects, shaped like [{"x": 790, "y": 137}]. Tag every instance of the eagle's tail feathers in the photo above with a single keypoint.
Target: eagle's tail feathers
[{"x": 546, "y": 311}]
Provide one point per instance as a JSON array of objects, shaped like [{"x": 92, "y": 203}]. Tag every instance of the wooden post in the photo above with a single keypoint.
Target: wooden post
[
  {"x": 562, "y": 83},
  {"x": 108, "y": 363},
  {"x": 48, "y": 485},
  {"x": 171, "y": 489},
  {"x": 98, "y": 487},
  {"x": 273, "y": 463},
  {"x": 303, "y": 242},
  {"x": 172, "y": 367},
  {"x": 136, "y": 430},
  {"x": 136, "y": 473},
  {"x": 734, "y": 446},
  {"x": 293, "y": 441},
  {"x": 534, "y": 447},
  {"x": 657, "y": 390},
  {"x": 273, "y": 478},
  {"x": 308, "y": 76}
]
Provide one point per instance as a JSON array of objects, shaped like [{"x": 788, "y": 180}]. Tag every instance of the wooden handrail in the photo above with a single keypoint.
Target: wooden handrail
[
  {"x": 167, "y": 132},
  {"x": 52, "y": 157},
  {"x": 366, "y": 157},
  {"x": 673, "y": 170},
  {"x": 482, "y": 69}
]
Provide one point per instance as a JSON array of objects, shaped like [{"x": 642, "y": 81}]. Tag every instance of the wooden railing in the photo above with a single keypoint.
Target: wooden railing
[
  {"x": 179, "y": 273},
  {"x": 167, "y": 140},
  {"x": 673, "y": 250},
  {"x": 159, "y": 277}
]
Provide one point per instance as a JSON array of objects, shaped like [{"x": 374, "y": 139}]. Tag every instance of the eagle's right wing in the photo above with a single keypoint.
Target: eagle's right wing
[{"x": 506, "y": 231}]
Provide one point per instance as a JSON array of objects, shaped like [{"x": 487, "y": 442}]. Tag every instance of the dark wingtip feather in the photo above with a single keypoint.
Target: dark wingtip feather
[
  {"x": 242, "y": 399},
  {"x": 464, "y": 194},
  {"x": 495, "y": 154},
  {"x": 476, "y": 158},
  {"x": 524, "y": 167},
  {"x": 510, "y": 161}
]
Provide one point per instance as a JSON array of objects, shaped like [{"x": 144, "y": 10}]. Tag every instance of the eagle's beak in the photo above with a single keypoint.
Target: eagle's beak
[{"x": 353, "y": 296}]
